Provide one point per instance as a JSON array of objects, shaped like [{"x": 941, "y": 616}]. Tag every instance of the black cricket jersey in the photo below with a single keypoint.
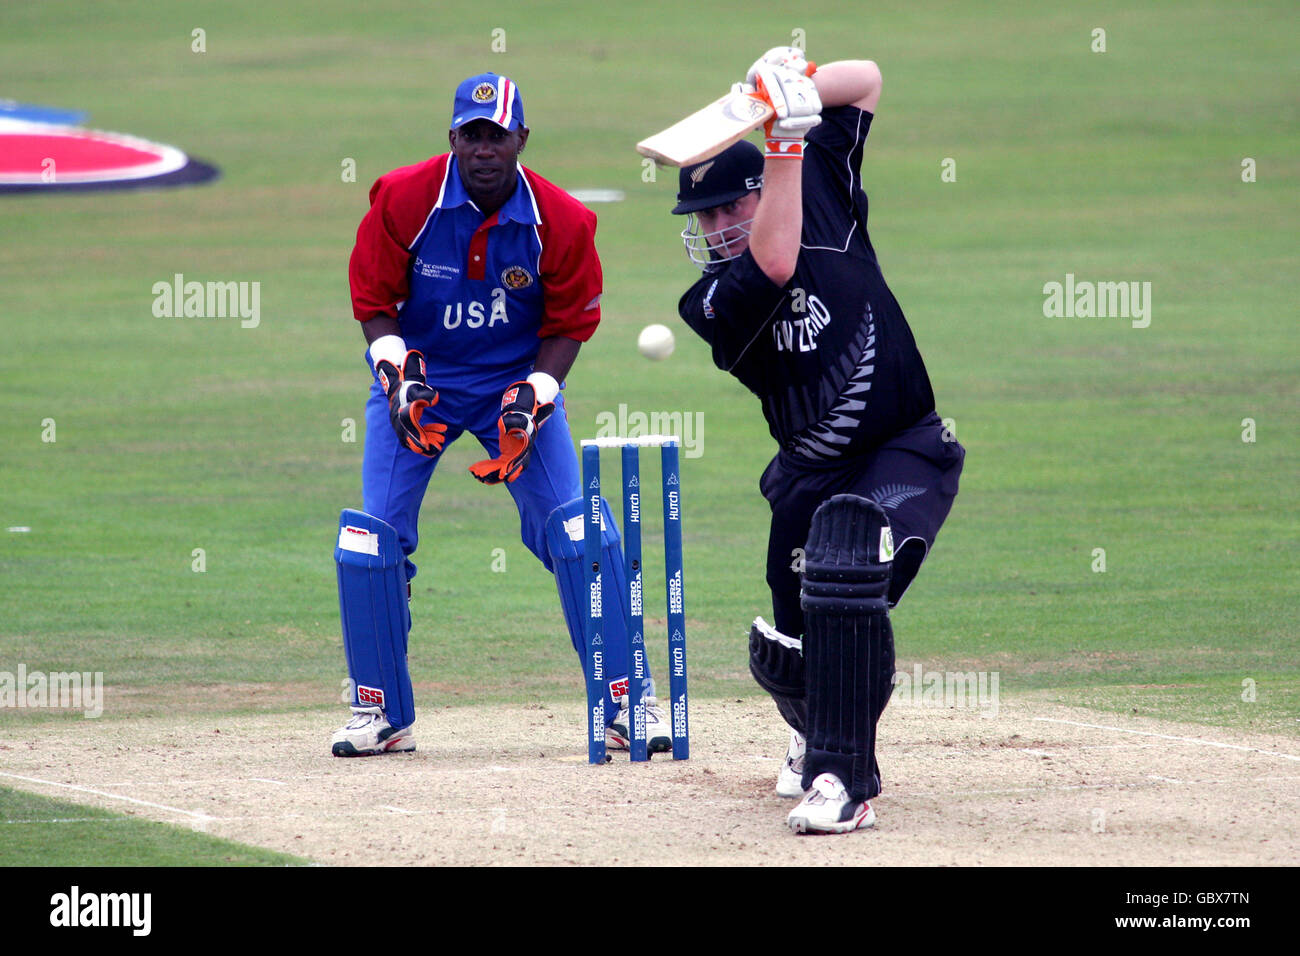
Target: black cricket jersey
[{"x": 830, "y": 354}]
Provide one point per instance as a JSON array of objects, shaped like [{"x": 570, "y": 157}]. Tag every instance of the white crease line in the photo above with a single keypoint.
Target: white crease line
[
  {"x": 1073, "y": 750},
  {"x": 342, "y": 780},
  {"x": 199, "y": 781},
  {"x": 1075, "y": 786},
  {"x": 509, "y": 813},
  {"x": 299, "y": 778},
  {"x": 105, "y": 793},
  {"x": 1187, "y": 740},
  {"x": 514, "y": 814},
  {"x": 74, "y": 820},
  {"x": 1232, "y": 781},
  {"x": 1134, "y": 785}
]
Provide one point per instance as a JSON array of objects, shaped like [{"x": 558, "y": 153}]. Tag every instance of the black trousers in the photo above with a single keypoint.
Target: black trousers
[{"x": 913, "y": 477}]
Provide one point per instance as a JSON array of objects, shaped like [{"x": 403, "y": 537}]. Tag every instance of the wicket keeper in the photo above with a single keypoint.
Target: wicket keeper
[
  {"x": 475, "y": 282},
  {"x": 793, "y": 303}
]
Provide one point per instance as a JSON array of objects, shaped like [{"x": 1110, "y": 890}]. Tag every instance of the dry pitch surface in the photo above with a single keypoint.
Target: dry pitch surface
[{"x": 1036, "y": 784}]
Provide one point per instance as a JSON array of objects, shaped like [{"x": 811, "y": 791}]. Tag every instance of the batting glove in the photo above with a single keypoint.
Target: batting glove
[
  {"x": 798, "y": 108},
  {"x": 521, "y": 416},
  {"x": 789, "y": 57},
  {"x": 408, "y": 396}
]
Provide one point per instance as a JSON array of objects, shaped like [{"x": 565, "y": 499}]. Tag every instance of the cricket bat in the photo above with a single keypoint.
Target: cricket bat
[{"x": 707, "y": 132}]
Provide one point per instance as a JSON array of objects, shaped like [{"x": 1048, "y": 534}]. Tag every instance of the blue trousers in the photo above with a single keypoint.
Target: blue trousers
[{"x": 394, "y": 478}]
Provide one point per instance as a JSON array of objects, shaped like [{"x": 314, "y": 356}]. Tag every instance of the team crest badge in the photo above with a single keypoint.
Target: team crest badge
[
  {"x": 485, "y": 93},
  {"x": 697, "y": 175},
  {"x": 516, "y": 277}
]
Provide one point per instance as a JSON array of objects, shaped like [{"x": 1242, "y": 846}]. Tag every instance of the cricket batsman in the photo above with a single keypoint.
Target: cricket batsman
[
  {"x": 793, "y": 303},
  {"x": 475, "y": 282}
]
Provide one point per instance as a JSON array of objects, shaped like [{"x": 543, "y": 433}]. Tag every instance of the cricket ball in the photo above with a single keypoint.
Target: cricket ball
[{"x": 655, "y": 342}]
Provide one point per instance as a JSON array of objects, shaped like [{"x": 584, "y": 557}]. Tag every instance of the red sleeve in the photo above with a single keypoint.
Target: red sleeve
[
  {"x": 400, "y": 203},
  {"x": 571, "y": 273}
]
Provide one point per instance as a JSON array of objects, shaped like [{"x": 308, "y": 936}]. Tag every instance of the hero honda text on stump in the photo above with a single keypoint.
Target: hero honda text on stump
[{"x": 593, "y": 518}]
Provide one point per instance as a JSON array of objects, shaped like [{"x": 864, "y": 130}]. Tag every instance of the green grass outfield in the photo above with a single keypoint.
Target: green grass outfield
[
  {"x": 181, "y": 434},
  {"x": 38, "y": 831}
]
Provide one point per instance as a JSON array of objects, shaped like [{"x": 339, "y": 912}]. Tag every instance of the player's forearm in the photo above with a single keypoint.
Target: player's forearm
[
  {"x": 379, "y": 326},
  {"x": 846, "y": 82},
  {"x": 778, "y": 220},
  {"x": 556, "y": 356}
]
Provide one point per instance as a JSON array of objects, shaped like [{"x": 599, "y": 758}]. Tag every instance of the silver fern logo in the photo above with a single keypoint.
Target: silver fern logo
[
  {"x": 697, "y": 175},
  {"x": 829, "y": 437},
  {"x": 891, "y": 496}
]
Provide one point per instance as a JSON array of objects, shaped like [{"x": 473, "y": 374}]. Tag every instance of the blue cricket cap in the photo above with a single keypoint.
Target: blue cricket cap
[{"x": 490, "y": 97}]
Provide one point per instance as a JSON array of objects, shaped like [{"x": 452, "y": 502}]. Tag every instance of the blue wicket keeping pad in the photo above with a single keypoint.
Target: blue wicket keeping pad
[
  {"x": 564, "y": 539},
  {"x": 376, "y": 616}
]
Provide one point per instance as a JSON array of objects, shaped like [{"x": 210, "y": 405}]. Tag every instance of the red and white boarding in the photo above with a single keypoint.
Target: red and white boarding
[{"x": 36, "y": 154}]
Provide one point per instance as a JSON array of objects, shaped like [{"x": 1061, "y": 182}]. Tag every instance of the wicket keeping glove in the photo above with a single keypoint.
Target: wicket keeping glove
[
  {"x": 408, "y": 396},
  {"x": 521, "y": 416}
]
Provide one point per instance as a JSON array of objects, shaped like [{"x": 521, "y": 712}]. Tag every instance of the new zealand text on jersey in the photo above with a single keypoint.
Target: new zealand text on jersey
[{"x": 802, "y": 333}]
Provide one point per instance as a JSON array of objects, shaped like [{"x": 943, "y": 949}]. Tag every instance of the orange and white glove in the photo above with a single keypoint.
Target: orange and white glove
[
  {"x": 521, "y": 416},
  {"x": 798, "y": 107},
  {"x": 790, "y": 57}
]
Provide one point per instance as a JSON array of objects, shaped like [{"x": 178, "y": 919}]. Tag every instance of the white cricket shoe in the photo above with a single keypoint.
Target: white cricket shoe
[
  {"x": 658, "y": 732},
  {"x": 826, "y": 808},
  {"x": 369, "y": 733},
  {"x": 789, "y": 783}
]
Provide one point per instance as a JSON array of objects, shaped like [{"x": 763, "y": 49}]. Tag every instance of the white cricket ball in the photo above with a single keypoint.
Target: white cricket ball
[{"x": 655, "y": 342}]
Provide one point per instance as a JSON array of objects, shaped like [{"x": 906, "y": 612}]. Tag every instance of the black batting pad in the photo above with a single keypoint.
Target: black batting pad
[{"x": 848, "y": 645}]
